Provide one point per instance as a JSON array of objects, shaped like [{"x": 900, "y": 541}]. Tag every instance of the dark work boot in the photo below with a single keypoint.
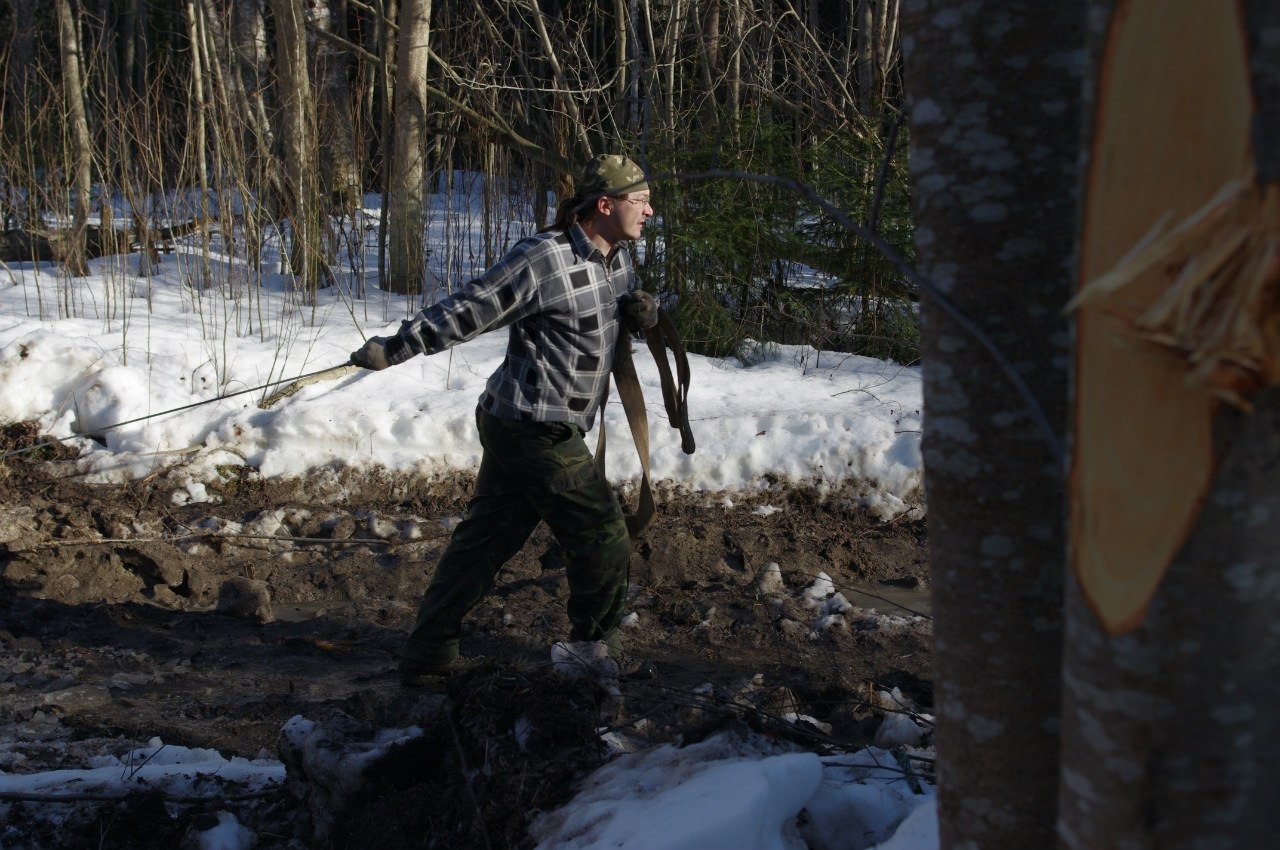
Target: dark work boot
[
  {"x": 417, "y": 674},
  {"x": 632, "y": 668}
]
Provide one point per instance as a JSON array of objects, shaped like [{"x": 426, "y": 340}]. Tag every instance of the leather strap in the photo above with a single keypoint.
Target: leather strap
[{"x": 675, "y": 395}]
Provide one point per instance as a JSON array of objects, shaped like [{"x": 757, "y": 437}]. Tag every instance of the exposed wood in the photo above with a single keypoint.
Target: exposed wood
[
  {"x": 292, "y": 388},
  {"x": 1143, "y": 457},
  {"x": 1219, "y": 317}
]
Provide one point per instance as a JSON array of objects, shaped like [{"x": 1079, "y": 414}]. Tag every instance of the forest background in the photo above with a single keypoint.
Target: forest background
[{"x": 271, "y": 120}]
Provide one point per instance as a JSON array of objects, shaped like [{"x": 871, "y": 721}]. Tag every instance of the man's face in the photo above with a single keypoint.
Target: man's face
[{"x": 629, "y": 214}]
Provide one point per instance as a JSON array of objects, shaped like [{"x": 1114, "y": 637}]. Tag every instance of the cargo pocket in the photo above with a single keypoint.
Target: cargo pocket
[
  {"x": 574, "y": 476},
  {"x": 572, "y": 465}
]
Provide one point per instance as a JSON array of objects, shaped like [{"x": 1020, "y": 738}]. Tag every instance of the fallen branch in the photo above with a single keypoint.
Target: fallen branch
[{"x": 37, "y": 245}]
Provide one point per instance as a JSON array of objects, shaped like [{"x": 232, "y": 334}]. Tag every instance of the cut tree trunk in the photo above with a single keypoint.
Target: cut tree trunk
[
  {"x": 1169, "y": 134},
  {"x": 1169, "y": 671}
]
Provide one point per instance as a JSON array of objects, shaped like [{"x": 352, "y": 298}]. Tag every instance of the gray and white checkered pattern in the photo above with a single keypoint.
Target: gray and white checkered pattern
[{"x": 559, "y": 295}]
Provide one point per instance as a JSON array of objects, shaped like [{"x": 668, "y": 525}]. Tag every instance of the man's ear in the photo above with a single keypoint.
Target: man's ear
[{"x": 603, "y": 204}]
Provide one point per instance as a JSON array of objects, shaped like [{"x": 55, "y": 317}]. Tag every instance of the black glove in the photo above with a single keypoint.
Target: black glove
[
  {"x": 639, "y": 311},
  {"x": 373, "y": 354}
]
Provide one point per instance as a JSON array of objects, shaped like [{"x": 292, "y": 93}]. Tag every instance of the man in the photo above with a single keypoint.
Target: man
[{"x": 564, "y": 293}]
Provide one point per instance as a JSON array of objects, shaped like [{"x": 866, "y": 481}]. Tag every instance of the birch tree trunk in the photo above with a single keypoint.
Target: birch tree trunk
[
  {"x": 197, "y": 121},
  {"x": 406, "y": 268},
  {"x": 248, "y": 39},
  {"x": 198, "y": 105},
  {"x": 79, "y": 143},
  {"x": 875, "y": 52},
  {"x": 246, "y": 34},
  {"x": 733, "y": 68},
  {"x": 995, "y": 210}
]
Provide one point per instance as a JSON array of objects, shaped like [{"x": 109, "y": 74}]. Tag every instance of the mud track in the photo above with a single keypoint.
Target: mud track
[{"x": 125, "y": 615}]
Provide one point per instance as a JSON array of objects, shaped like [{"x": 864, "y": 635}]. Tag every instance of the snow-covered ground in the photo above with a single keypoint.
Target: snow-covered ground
[
  {"x": 82, "y": 355},
  {"x": 724, "y": 793}
]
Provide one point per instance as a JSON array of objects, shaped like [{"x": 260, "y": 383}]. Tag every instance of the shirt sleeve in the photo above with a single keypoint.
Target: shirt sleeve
[{"x": 505, "y": 293}]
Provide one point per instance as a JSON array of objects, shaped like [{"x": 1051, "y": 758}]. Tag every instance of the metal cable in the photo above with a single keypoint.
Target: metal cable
[{"x": 58, "y": 440}]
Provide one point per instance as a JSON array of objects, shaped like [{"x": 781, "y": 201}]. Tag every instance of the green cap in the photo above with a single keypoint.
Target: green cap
[{"x": 610, "y": 174}]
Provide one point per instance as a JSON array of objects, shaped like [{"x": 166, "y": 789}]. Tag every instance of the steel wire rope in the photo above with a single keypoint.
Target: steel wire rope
[{"x": 58, "y": 440}]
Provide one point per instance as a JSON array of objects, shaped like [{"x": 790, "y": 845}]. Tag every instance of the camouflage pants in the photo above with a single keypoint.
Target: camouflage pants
[{"x": 530, "y": 472}]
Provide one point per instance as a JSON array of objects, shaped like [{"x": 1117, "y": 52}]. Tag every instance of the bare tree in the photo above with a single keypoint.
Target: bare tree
[
  {"x": 250, "y": 73},
  {"x": 298, "y": 135},
  {"x": 406, "y": 270},
  {"x": 21, "y": 89},
  {"x": 198, "y": 102},
  {"x": 876, "y": 51},
  {"x": 79, "y": 143},
  {"x": 337, "y": 137}
]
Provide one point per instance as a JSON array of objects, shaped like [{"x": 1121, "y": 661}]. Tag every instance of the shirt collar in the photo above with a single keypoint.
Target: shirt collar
[{"x": 584, "y": 247}]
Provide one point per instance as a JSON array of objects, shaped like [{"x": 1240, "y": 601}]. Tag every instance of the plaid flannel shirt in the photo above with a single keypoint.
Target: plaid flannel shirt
[{"x": 559, "y": 296}]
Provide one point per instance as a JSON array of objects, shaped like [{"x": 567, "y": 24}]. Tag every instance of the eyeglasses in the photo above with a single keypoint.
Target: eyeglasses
[{"x": 635, "y": 200}]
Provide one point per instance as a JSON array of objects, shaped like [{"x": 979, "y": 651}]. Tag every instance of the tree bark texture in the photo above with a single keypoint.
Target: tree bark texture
[
  {"x": 1167, "y": 729},
  {"x": 79, "y": 143},
  {"x": 297, "y": 136},
  {"x": 247, "y": 33},
  {"x": 338, "y": 147},
  {"x": 995, "y": 199},
  {"x": 406, "y": 267},
  {"x": 877, "y": 25}
]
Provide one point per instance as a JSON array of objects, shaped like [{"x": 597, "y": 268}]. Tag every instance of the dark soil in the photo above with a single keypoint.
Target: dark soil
[{"x": 112, "y": 632}]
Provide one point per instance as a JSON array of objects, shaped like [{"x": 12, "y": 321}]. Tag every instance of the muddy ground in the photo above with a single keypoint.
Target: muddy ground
[{"x": 125, "y": 615}]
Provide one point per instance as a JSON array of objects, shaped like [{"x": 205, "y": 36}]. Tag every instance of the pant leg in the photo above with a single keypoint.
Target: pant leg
[
  {"x": 530, "y": 470},
  {"x": 499, "y": 520},
  {"x": 553, "y": 467}
]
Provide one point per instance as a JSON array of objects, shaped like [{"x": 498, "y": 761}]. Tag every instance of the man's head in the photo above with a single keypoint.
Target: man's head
[
  {"x": 611, "y": 202},
  {"x": 610, "y": 174}
]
